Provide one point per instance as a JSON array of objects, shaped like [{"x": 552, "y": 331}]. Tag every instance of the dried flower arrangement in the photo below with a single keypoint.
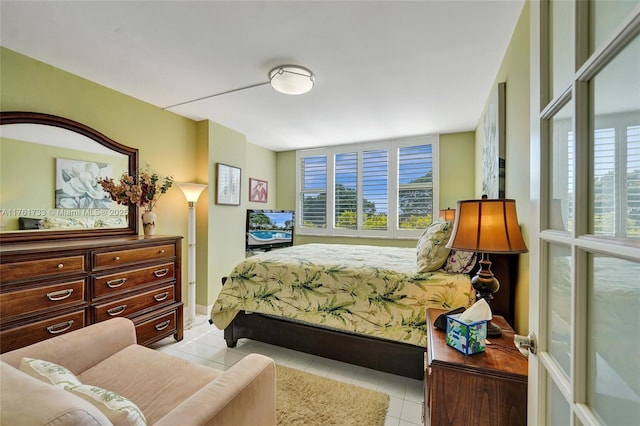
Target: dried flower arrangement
[{"x": 143, "y": 191}]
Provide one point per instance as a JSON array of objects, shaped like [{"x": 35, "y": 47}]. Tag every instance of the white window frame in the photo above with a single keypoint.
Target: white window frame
[{"x": 392, "y": 146}]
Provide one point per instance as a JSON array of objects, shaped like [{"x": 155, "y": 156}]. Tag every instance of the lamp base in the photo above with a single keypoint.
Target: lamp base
[{"x": 493, "y": 330}]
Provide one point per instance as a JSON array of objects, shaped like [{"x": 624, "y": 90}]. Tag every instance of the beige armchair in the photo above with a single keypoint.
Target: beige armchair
[{"x": 168, "y": 390}]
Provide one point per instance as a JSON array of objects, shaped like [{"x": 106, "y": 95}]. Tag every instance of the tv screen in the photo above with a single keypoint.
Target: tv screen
[{"x": 268, "y": 229}]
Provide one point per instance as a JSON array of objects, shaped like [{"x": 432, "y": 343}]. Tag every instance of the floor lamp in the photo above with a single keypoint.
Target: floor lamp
[{"x": 191, "y": 192}]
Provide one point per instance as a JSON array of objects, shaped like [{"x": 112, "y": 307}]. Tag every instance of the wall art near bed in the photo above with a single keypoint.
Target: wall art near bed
[
  {"x": 77, "y": 184},
  {"x": 494, "y": 143},
  {"x": 228, "y": 184},
  {"x": 258, "y": 190}
]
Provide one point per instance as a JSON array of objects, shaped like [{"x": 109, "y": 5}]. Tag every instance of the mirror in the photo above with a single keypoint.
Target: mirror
[{"x": 49, "y": 168}]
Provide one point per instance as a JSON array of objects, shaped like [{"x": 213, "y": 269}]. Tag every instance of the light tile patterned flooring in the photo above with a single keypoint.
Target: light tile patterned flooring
[{"x": 204, "y": 344}]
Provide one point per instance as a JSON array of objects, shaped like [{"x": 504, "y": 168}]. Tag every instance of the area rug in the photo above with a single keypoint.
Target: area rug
[{"x": 310, "y": 400}]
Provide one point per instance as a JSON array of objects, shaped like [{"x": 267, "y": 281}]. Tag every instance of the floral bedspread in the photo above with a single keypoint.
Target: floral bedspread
[{"x": 369, "y": 290}]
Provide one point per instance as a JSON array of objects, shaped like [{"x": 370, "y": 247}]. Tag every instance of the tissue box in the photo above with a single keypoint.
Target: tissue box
[{"x": 467, "y": 338}]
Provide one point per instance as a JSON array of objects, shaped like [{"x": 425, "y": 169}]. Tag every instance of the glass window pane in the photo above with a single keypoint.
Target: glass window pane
[
  {"x": 375, "y": 189},
  {"x": 558, "y": 412},
  {"x": 415, "y": 186},
  {"x": 606, "y": 17},
  {"x": 562, "y": 169},
  {"x": 559, "y": 305},
  {"x": 615, "y": 203},
  {"x": 346, "y": 191},
  {"x": 562, "y": 45},
  {"x": 313, "y": 194},
  {"x": 613, "y": 377}
]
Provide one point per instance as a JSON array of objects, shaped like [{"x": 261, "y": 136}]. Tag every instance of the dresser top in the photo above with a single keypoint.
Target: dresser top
[
  {"x": 83, "y": 243},
  {"x": 500, "y": 357}
]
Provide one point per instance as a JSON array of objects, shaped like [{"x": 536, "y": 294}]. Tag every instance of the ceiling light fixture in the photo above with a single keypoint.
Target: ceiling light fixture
[
  {"x": 287, "y": 79},
  {"x": 291, "y": 79}
]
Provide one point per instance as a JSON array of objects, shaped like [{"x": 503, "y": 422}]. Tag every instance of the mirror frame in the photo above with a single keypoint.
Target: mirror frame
[{"x": 15, "y": 117}]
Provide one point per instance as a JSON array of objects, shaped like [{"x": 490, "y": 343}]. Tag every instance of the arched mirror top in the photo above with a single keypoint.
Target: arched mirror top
[{"x": 49, "y": 167}]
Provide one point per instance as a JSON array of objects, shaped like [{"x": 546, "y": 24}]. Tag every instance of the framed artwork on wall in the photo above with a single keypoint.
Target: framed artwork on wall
[
  {"x": 494, "y": 141},
  {"x": 77, "y": 184},
  {"x": 227, "y": 184},
  {"x": 258, "y": 190}
]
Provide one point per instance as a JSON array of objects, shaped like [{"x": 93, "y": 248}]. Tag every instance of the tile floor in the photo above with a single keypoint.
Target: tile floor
[{"x": 205, "y": 344}]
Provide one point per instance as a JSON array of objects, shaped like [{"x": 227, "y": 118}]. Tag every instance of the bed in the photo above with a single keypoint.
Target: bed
[{"x": 355, "y": 303}]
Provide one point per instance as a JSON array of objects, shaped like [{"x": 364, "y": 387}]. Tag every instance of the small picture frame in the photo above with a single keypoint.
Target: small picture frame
[
  {"x": 258, "y": 190},
  {"x": 227, "y": 184}
]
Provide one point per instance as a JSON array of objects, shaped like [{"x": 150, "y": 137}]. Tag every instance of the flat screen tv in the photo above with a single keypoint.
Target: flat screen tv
[{"x": 269, "y": 229}]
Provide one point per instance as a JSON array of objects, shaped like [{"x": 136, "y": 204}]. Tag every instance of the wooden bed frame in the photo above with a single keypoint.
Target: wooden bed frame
[{"x": 371, "y": 352}]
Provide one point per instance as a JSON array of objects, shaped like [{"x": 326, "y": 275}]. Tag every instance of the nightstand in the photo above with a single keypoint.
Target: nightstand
[{"x": 487, "y": 388}]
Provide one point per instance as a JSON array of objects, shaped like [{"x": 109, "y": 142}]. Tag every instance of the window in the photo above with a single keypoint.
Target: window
[{"x": 380, "y": 189}]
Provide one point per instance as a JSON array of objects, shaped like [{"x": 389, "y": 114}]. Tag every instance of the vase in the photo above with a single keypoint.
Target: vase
[{"x": 149, "y": 223}]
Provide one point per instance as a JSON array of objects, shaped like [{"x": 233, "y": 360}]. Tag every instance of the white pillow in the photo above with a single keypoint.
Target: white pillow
[
  {"x": 48, "y": 372},
  {"x": 431, "y": 250},
  {"x": 118, "y": 409}
]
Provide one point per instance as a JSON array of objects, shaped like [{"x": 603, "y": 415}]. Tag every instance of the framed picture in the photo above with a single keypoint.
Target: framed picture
[
  {"x": 258, "y": 190},
  {"x": 494, "y": 141},
  {"x": 77, "y": 184},
  {"x": 228, "y": 184}
]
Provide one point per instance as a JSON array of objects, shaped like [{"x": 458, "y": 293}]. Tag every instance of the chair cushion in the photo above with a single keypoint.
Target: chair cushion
[
  {"x": 26, "y": 400},
  {"x": 118, "y": 409},
  {"x": 49, "y": 372},
  {"x": 157, "y": 382}
]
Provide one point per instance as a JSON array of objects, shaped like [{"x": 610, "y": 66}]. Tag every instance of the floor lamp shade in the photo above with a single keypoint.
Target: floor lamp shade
[{"x": 191, "y": 192}]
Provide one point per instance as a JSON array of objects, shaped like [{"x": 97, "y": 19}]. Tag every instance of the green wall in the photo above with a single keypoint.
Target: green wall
[
  {"x": 514, "y": 70},
  {"x": 165, "y": 140}
]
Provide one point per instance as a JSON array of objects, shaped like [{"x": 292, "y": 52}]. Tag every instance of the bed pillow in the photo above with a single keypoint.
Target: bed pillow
[
  {"x": 460, "y": 262},
  {"x": 431, "y": 249},
  {"x": 118, "y": 409}
]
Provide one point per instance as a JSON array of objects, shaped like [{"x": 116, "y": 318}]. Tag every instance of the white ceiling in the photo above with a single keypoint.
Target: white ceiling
[{"x": 383, "y": 68}]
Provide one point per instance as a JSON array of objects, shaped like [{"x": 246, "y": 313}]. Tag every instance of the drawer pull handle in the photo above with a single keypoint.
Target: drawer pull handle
[
  {"x": 161, "y": 296},
  {"x": 116, "y": 258},
  {"x": 59, "y": 295},
  {"x": 163, "y": 325},
  {"x": 162, "y": 251},
  {"x": 60, "y": 327},
  {"x": 117, "y": 310},
  {"x": 161, "y": 272},
  {"x": 60, "y": 265},
  {"x": 116, "y": 283}
]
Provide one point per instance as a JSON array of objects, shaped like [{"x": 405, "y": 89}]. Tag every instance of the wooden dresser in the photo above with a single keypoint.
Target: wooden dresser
[
  {"x": 48, "y": 288},
  {"x": 487, "y": 388}
]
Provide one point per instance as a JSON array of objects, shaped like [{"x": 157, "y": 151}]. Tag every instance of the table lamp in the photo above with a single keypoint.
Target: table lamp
[
  {"x": 487, "y": 226},
  {"x": 448, "y": 214}
]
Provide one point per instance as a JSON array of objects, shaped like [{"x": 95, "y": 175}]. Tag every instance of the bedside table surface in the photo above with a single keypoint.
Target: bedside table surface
[{"x": 500, "y": 357}]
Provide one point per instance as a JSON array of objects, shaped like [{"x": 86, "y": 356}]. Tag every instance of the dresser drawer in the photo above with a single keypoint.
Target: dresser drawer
[
  {"x": 36, "y": 299},
  {"x": 130, "y": 306},
  {"x": 31, "y": 269},
  {"x": 111, "y": 259},
  {"x": 19, "y": 337},
  {"x": 153, "y": 328},
  {"x": 105, "y": 285}
]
